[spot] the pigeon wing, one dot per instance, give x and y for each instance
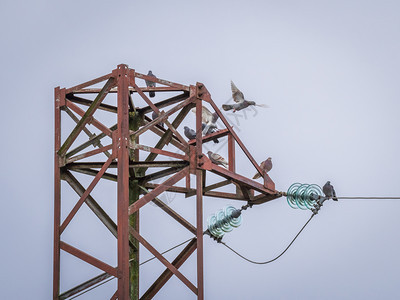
(237, 95)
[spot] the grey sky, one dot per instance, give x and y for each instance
(329, 70)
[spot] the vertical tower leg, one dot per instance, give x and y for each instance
(57, 195)
(123, 182)
(199, 201)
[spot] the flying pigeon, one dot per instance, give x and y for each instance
(210, 130)
(151, 84)
(238, 97)
(265, 166)
(217, 159)
(154, 115)
(329, 191)
(189, 133)
(208, 118)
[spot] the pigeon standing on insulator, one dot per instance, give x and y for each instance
(217, 159)
(189, 133)
(151, 84)
(329, 191)
(238, 97)
(210, 130)
(154, 115)
(208, 118)
(265, 166)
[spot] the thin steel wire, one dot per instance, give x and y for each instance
(269, 261)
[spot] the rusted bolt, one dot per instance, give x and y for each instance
(201, 164)
(200, 156)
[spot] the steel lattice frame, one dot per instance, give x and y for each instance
(122, 154)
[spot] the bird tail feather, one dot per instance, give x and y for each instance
(257, 176)
(262, 105)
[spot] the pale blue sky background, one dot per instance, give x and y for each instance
(329, 70)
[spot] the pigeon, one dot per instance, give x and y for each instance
(154, 115)
(238, 97)
(208, 118)
(151, 84)
(265, 166)
(189, 133)
(329, 191)
(217, 159)
(210, 130)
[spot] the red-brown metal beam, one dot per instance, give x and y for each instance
(131, 90)
(88, 83)
(199, 193)
(85, 194)
(164, 103)
(162, 81)
(157, 191)
(207, 97)
(86, 117)
(87, 284)
(211, 136)
(161, 258)
(88, 258)
(159, 151)
(172, 213)
(162, 117)
(87, 102)
(167, 274)
(123, 181)
(57, 192)
(92, 120)
(89, 153)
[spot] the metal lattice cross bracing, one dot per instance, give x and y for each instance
(113, 153)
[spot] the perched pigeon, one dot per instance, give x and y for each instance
(217, 159)
(210, 130)
(208, 118)
(154, 115)
(265, 166)
(189, 133)
(151, 84)
(238, 97)
(329, 191)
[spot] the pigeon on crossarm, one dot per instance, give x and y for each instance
(238, 97)
(154, 115)
(210, 130)
(208, 118)
(189, 133)
(217, 159)
(329, 191)
(265, 166)
(151, 84)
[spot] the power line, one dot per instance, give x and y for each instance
(364, 197)
(269, 261)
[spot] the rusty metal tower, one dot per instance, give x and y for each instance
(135, 183)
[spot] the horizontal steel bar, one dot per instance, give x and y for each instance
(162, 81)
(131, 90)
(159, 151)
(132, 164)
(212, 136)
(102, 106)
